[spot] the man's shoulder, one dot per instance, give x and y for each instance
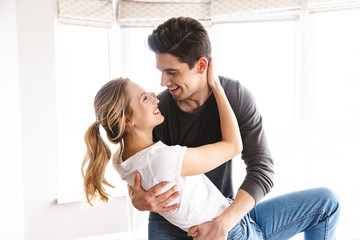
(239, 96)
(234, 90)
(229, 83)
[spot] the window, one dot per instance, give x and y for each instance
(304, 77)
(87, 58)
(139, 61)
(83, 66)
(333, 130)
(312, 118)
(262, 57)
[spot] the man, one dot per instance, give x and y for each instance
(191, 119)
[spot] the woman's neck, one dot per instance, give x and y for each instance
(134, 143)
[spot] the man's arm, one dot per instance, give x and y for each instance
(259, 165)
(148, 201)
(256, 154)
(218, 228)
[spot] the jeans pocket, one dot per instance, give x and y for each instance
(238, 232)
(257, 228)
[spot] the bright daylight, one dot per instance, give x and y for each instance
(249, 110)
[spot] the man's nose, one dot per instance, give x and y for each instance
(164, 80)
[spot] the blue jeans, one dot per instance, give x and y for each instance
(314, 212)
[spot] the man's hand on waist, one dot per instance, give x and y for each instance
(150, 200)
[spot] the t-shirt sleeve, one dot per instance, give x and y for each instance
(166, 162)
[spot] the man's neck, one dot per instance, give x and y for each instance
(196, 100)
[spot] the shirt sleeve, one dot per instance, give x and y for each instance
(256, 154)
(167, 162)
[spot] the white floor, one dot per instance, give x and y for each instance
(131, 236)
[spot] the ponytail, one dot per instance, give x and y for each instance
(111, 107)
(97, 156)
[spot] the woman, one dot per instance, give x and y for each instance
(129, 114)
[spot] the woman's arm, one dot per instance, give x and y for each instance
(205, 158)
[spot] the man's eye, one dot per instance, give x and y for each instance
(171, 73)
(145, 97)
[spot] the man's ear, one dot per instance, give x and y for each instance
(203, 63)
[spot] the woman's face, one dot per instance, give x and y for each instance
(144, 105)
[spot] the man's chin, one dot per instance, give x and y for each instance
(179, 97)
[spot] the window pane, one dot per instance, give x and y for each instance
(82, 68)
(262, 57)
(336, 66)
(334, 131)
(139, 61)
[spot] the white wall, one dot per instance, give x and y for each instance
(28, 143)
(11, 200)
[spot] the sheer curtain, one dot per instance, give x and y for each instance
(303, 73)
(311, 120)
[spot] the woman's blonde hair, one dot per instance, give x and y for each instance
(111, 108)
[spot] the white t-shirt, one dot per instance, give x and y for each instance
(199, 199)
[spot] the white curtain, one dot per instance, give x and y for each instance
(95, 13)
(134, 13)
(315, 6)
(150, 13)
(254, 10)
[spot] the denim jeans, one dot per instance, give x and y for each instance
(314, 212)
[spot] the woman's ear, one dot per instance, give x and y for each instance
(128, 122)
(203, 63)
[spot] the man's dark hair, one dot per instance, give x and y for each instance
(183, 37)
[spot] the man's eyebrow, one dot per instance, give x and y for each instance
(171, 69)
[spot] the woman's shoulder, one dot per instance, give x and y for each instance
(160, 148)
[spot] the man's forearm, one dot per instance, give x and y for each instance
(241, 205)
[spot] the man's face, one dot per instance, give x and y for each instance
(181, 81)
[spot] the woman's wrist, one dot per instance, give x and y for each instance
(216, 87)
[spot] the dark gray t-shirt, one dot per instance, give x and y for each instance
(203, 127)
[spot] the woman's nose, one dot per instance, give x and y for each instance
(155, 100)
